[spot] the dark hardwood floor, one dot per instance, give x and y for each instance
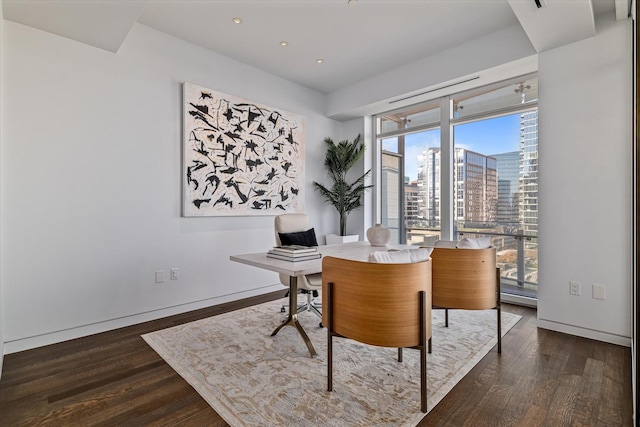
(542, 378)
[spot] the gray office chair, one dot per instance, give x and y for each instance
(310, 284)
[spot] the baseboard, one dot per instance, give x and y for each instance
(121, 322)
(1, 357)
(585, 332)
(519, 300)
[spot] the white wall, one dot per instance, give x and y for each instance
(585, 184)
(91, 184)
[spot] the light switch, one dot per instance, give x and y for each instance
(598, 291)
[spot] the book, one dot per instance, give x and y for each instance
(295, 249)
(292, 254)
(306, 257)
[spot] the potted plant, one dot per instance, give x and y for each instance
(343, 195)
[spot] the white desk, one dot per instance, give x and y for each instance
(358, 251)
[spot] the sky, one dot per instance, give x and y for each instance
(492, 136)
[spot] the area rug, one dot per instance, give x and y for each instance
(253, 379)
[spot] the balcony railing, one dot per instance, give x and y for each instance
(519, 271)
(517, 255)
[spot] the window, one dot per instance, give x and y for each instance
(481, 182)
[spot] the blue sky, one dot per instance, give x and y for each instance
(493, 136)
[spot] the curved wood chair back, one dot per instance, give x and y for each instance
(381, 304)
(465, 278)
(376, 303)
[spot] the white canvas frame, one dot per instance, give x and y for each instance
(240, 157)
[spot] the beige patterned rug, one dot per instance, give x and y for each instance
(253, 379)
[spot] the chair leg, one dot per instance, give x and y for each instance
(498, 308)
(499, 330)
(309, 306)
(399, 354)
(329, 361)
(429, 344)
(329, 337)
(423, 380)
(423, 353)
(446, 317)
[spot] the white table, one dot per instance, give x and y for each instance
(358, 251)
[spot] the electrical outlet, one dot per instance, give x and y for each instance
(159, 276)
(598, 291)
(575, 288)
(174, 274)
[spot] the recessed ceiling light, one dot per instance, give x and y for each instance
(284, 43)
(237, 20)
(319, 60)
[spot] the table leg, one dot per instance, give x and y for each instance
(292, 318)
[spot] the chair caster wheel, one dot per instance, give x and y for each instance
(282, 310)
(320, 325)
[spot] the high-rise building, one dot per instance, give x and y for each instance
(412, 205)
(529, 172)
(429, 187)
(390, 185)
(508, 187)
(475, 187)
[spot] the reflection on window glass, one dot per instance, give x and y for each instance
(410, 118)
(390, 144)
(496, 97)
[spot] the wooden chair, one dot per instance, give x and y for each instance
(466, 279)
(386, 305)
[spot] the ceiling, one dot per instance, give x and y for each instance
(356, 39)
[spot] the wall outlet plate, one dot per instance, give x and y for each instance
(575, 288)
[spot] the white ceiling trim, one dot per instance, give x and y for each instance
(556, 23)
(103, 24)
(623, 9)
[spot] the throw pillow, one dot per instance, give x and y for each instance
(445, 244)
(302, 238)
(400, 257)
(480, 243)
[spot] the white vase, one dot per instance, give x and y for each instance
(378, 235)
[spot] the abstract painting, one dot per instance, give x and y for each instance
(240, 157)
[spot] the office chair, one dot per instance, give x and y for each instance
(310, 284)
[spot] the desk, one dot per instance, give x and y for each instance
(358, 251)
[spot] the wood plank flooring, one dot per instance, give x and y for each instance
(542, 378)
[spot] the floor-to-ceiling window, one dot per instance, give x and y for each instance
(466, 165)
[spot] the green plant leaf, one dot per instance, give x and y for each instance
(344, 196)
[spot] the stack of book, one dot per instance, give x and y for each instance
(294, 253)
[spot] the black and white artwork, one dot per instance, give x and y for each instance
(240, 157)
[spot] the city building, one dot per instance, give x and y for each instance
(508, 166)
(475, 188)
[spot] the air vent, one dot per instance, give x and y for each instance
(433, 90)
(540, 3)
